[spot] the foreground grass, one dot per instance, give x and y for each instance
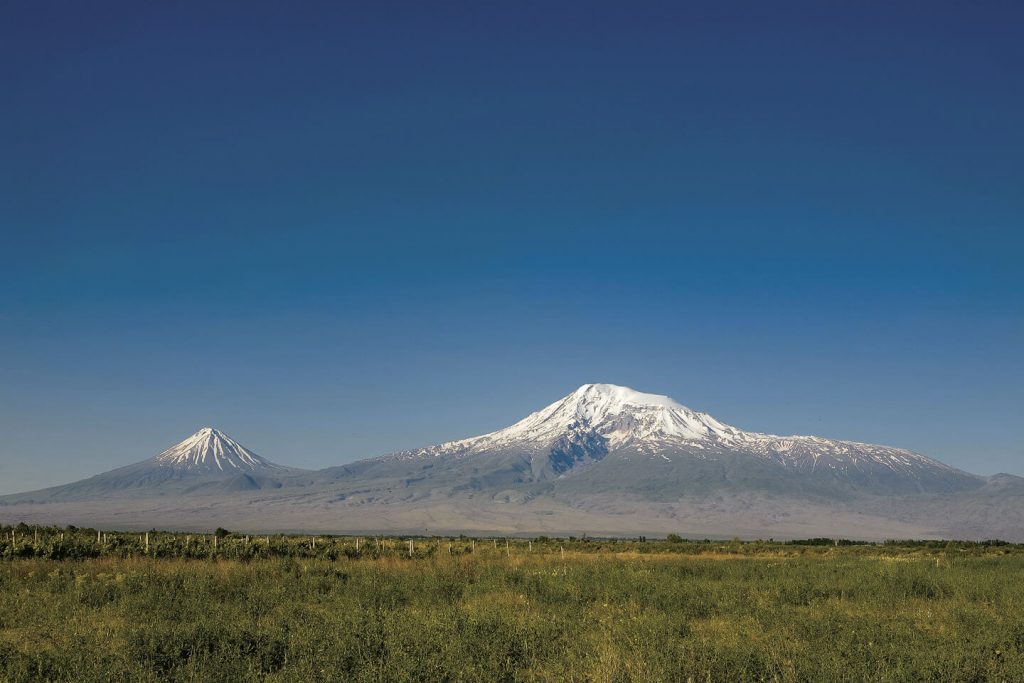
(833, 615)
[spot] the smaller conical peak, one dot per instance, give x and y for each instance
(211, 449)
(211, 433)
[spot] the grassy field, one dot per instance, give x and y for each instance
(286, 609)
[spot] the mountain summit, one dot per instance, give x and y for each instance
(210, 449)
(610, 416)
(618, 414)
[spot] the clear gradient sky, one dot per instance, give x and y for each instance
(334, 230)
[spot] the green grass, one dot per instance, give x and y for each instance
(606, 611)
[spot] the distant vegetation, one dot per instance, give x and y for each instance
(82, 605)
(73, 543)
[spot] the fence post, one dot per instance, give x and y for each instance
(410, 547)
(562, 551)
(507, 553)
(147, 542)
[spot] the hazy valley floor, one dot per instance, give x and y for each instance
(280, 609)
(750, 516)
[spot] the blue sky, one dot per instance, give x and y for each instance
(336, 230)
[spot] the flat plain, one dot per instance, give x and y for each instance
(81, 605)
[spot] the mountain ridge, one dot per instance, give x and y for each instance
(602, 459)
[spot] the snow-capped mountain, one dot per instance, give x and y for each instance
(602, 460)
(206, 462)
(600, 419)
(210, 450)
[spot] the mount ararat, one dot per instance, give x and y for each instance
(603, 460)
